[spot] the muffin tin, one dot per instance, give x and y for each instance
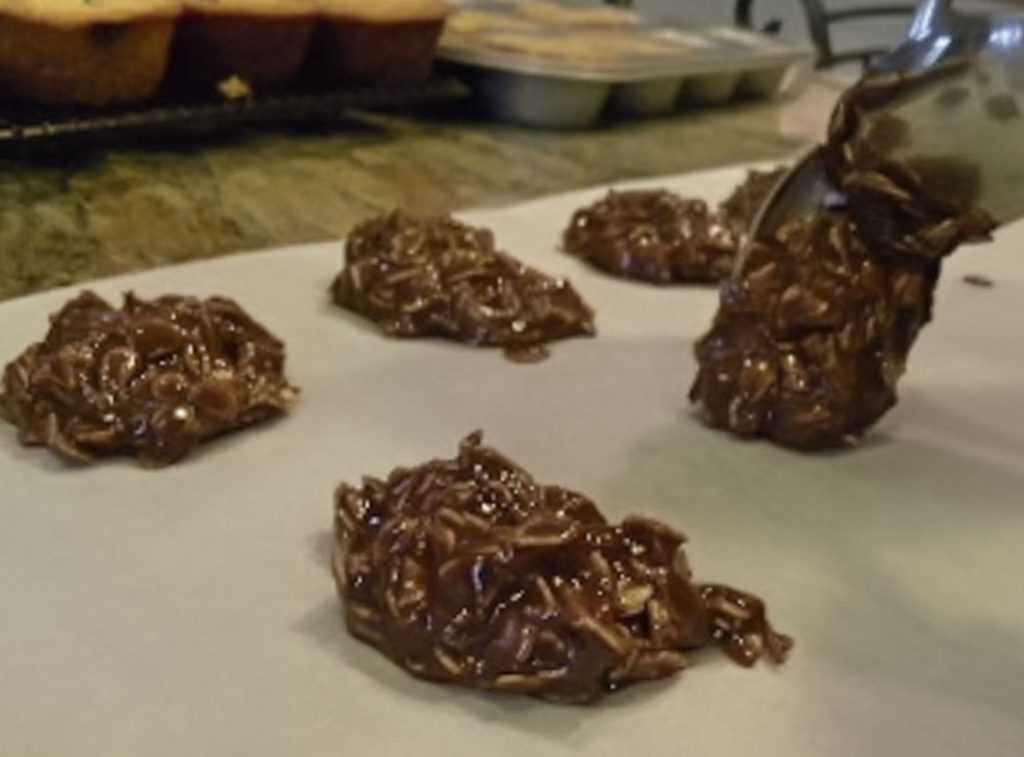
(697, 67)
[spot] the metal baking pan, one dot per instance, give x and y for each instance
(694, 67)
(27, 130)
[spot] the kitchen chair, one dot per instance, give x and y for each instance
(820, 21)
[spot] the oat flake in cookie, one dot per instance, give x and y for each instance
(652, 235)
(810, 341)
(434, 276)
(740, 208)
(807, 347)
(657, 236)
(468, 571)
(152, 379)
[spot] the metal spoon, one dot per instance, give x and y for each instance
(973, 115)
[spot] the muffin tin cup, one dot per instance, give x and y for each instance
(712, 89)
(537, 100)
(559, 102)
(656, 97)
(765, 83)
(713, 67)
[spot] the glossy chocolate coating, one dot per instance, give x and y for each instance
(740, 208)
(660, 237)
(811, 338)
(438, 277)
(469, 571)
(807, 347)
(152, 379)
(654, 236)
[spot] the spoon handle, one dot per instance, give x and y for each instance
(928, 13)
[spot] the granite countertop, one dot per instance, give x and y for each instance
(126, 210)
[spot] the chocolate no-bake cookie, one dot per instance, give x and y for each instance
(152, 379)
(469, 571)
(657, 236)
(740, 208)
(807, 346)
(652, 235)
(436, 276)
(813, 335)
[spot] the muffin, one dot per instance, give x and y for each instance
(384, 42)
(86, 52)
(263, 42)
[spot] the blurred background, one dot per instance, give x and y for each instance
(875, 30)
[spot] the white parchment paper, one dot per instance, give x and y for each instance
(190, 611)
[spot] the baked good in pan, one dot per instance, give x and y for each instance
(383, 42)
(263, 42)
(86, 52)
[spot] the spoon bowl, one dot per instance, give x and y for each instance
(957, 89)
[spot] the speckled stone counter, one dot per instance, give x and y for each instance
(126, 210)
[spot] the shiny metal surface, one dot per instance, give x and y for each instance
(971, 113)
(647, 98)
(711, 89)
(557, 102)
(534, 100)
(712, 66)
